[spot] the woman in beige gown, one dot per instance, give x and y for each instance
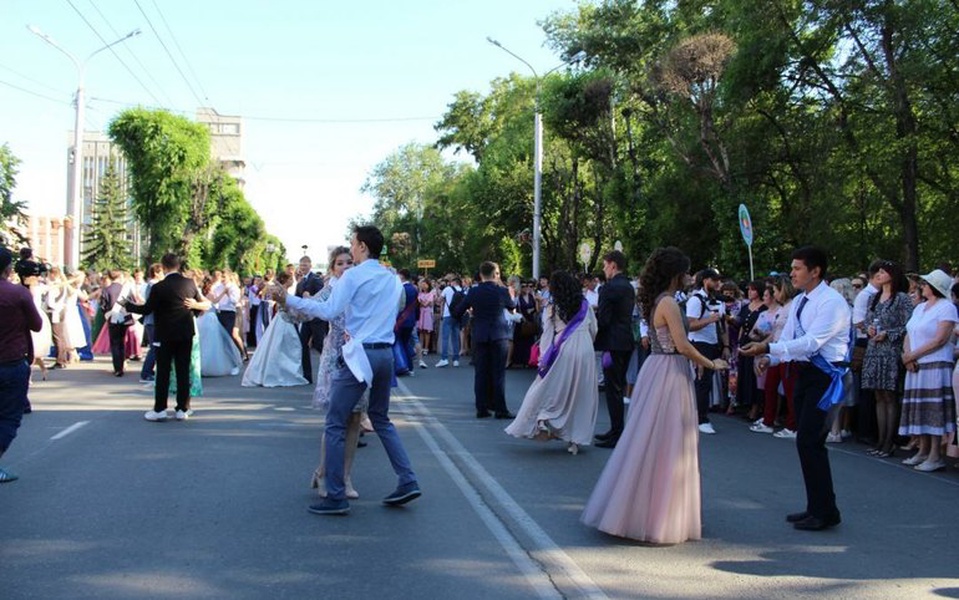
(562, 401)
(650, 487)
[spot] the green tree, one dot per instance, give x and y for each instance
(168, 158)
(107, 240)
(11, 212)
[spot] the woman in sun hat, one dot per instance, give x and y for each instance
(928, 405)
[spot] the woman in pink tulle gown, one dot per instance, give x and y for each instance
(650, 487)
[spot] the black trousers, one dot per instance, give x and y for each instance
(312, 333)
(177, 355)
(117, 333)
(812, 426)
(704, 383)
(251, 334)
(615, 381)
(489, 376)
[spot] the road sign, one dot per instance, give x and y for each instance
(745, 225)
(585, 253)
(746, 228)
(426, 264)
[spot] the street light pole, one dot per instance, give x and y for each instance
(537, 150)
(74, 200)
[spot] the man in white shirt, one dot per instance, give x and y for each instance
(817, 329)
(369, 294)
(705, 314)
(450, 343)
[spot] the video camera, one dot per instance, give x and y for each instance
(27, 266)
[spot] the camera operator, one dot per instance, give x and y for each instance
(20, 317)
(30, 273)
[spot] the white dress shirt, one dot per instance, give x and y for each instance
(230, 298)
(823, 328)
(369, 294)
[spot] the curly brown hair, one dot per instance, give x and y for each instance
(567, 294)
(661, 269)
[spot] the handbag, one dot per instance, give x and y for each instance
(534, 356)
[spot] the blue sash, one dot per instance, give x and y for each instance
(547, 360)
(836, 392)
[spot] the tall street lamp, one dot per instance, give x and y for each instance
(74, 200)
(537, 149)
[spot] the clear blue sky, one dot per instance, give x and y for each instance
(379, 72)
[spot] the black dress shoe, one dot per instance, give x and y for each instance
(505, 415)
(813, 523)
(797, 517)
(602, 437)
(607, 443)
(483, 414)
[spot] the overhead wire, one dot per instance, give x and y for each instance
(30, 79)
(168, 53)
(32, 93)
(130, 50)
(343, 121)
(182, 53)
(112, 51)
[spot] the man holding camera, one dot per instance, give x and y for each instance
(20, 317)
(706, 314)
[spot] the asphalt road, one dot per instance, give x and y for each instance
(111, 506)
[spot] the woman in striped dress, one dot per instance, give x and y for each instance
(928, 406)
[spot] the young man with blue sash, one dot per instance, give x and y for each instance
(816, 340)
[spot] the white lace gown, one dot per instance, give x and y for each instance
(219, 356)
(43, 339)
(277, 361)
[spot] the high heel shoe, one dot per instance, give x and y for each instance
(351, 493)
(318, 483)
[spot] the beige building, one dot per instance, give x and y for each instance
(226, 141)
(45, 236)
(98, 153)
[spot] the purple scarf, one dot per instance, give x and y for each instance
(547, 360)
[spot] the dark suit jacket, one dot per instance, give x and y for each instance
(614, 315)
(312, 283)
(313, 331)
(172, 321)
(488, 300)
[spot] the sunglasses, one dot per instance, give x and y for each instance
(857, 286)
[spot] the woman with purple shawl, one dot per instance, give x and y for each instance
(562, 401)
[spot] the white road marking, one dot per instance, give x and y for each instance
(69, 430)
(536, 563)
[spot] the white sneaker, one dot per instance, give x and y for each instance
(183, 416)
(833, 438)
(758, 421)
(785, 434)
(155, 416)
(706, 428)
(422, 364)
(442, 363)
(456, 363)
(760, 428)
